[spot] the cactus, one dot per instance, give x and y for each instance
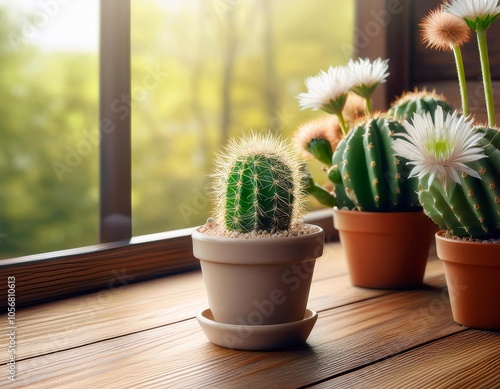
(471, 209)
(364, 173)
(374, 179)
(417, 102)
(258, 185)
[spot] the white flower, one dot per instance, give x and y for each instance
(478, 14)
(441, 147)
(327, 90)
(367, 75)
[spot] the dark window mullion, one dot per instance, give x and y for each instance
(115, 122)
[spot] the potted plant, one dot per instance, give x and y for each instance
(458, 169)
(376, 210)
(257, 256)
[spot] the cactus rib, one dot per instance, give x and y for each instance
(259, 186)
(472, 207)
(372, 176)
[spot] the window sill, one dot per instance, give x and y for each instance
(145, 334)
(68, 273)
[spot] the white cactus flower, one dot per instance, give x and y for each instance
(327, 90)
(367, 75)
(440, 147)
(478, 14)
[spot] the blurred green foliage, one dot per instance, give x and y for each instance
(202, 70)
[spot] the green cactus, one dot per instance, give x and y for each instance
(471, 209)
(258, 185)
(417, 102)
(364, 173)
(374, 179)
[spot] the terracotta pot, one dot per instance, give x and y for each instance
(385, 250)
(258, 281)
(472, 271)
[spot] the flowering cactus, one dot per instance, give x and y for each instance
(458, 165)
(258, 185)
(458, 168)
(359, 160)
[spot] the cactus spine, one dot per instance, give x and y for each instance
(374, 179)
(471, 209)
(258, 185)
(417, 102)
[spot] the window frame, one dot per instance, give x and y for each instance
(122, 259)
(115, 201)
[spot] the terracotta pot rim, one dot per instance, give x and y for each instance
(466, 252)
(381, 214)
(258, 251)
(380, 222)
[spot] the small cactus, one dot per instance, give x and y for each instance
(471, 209)
(258, 185)
(417, 102)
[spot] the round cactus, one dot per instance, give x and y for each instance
(374, 179)
(417, 102)
(258, 185)
(471, 209)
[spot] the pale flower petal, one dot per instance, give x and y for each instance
(325, 88)
(367, 75)
(478, 14)
(440, 147)
(472, 9)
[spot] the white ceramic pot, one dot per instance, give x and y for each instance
(258, 281)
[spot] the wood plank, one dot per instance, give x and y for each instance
(124, 309)
(68, 273)
(179, 355)
(470, 359)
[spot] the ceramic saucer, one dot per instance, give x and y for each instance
(256, 337)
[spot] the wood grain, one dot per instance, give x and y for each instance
(178, 355)
(470, 359)
(121, 309)
(71, 272)
(145, 334)
(117, 311)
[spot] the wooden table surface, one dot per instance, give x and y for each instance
(145, 335)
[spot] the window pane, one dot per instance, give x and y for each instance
(48, 125)
(204, 70)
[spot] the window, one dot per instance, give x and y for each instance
(201, 71)
(48, 125)
(205, 70)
